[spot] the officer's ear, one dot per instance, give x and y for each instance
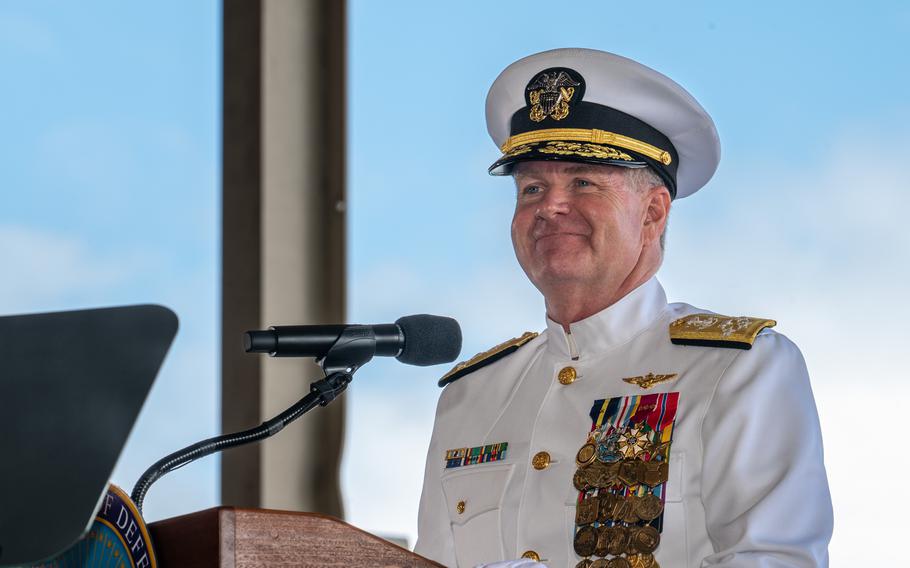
(656, 213)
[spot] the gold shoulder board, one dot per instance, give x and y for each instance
(485, 358)
(717, 331)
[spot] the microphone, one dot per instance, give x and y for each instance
(340, 349)
(421, 339)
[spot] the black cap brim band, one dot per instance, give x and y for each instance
(591, 133)
(585, 152)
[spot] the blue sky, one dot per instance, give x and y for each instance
(802, 223)
(110, 172)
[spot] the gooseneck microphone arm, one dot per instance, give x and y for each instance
(321, 393)
(340, 351)
(352, 349)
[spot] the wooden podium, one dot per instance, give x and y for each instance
(228, 537)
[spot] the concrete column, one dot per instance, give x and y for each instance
(293, 261)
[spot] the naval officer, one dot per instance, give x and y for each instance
(631, 432)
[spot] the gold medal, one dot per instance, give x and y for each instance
(634, 440)
(586, 511)
(579, 480)
(623, 509)
(591, 473)
(606, 506)
(603, 537)
(631, 472)
(654, 473)
(599, 563)
(643, 561)
(648, 507)
(608, 447)
(585, 563)
(618, 542)
(585, 541)
(659, 449)
(664, 471)
(630, 516)
(619, 509)
(651, 474)
(645, 539)
(613, 473)
(604, 475)
(618, 562)
(586, 454)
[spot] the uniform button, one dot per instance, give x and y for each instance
(567, 375)
(531, 555)
(541, 460)
(460, 507)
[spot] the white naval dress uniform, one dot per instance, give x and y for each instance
(746, 485)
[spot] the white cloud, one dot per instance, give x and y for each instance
(385, 449)
(43, 270)
(823, 250)
(861, 426)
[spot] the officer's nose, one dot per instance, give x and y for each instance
(556, 201)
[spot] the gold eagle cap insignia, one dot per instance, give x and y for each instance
(649, 380)
(550, 94)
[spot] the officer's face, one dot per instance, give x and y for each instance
(577, 224)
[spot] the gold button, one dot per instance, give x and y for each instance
(567, 375)
(460, 507)
(531, 555)
(541, 460)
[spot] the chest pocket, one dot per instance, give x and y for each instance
(674, 541)
(473, 498)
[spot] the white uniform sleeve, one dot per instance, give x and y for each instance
(764, 485)
(434, 531)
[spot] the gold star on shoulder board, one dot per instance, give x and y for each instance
(649, 380)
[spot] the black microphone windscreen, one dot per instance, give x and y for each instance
(429, 340)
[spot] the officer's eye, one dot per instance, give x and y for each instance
(582, 183)
(530, 190)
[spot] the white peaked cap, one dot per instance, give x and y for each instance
(601, 108)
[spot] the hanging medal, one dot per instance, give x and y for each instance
(621, 480)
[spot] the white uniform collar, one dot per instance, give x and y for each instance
(610, 327)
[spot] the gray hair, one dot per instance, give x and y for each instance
(643, 179)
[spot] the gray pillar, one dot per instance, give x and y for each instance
(283, 238)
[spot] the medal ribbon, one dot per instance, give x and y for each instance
(657, 410)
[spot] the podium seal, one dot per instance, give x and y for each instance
(117, 538)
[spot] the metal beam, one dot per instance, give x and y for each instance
(283, 238)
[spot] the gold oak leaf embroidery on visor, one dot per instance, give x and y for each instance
(584, 150)
(519, 150)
